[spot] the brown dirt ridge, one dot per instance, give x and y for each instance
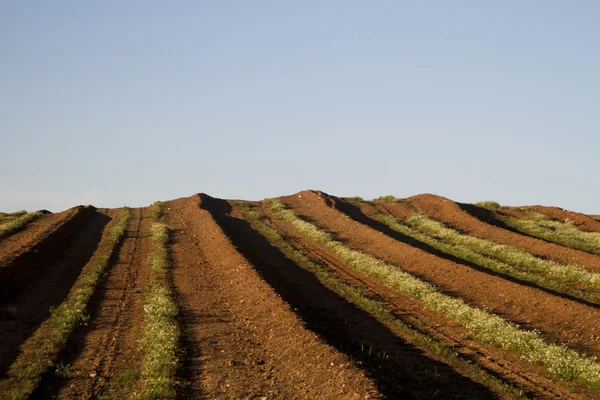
(560, 319)
(585, 222)
(256, 322)
(482, 223)
(41, 278)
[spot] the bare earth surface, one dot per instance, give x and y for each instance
(243, 340)
(258, 325)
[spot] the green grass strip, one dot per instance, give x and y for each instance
(375, 308)
(390, 198)
(18, 223)
(488, 204)
(160, 336)
(496, 257)
(5, 217)
(156, 210)
(559, 360)
(565, 234)
(42, 349)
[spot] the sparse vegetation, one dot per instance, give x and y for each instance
(375, 308)
(496, 257)
(390, 198)
(160, 336)
(43, 347)
(62, 370)
(563, 233)
(357, 198)
(559, 360)
(12, 214)
(19, 221)
(5, 217)
(488, 204)
(156, 210)
(129, 376)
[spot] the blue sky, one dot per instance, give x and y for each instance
(123, 103)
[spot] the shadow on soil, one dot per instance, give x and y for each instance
(190, 349)
(490, 217)
(356, 214)
(42, 278)
(33, 264)
(51, 382)
(485, 215)
(400, 369)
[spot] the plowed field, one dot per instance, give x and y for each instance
(307, 296)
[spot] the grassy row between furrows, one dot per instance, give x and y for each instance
(156, 210)
(13, 225)
(563, 233)
(6, 217)
(41, 350)
(159, 340)
(559, 360)
(376, 308)
(497, 257)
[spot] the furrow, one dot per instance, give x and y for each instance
(26, 257)
(242, 339)
(438, 336)
(58, 263)
(527, 306)
(482, 223)
(102, 358)
(39, 354)
(514, 264)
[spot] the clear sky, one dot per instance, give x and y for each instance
(127, 102)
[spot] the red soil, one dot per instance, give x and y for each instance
(35, 232)
(558, 319)
(498, 362)
(101, 353)
(41, 278)
(585, 222)
(256, 325)
(20, 259)
(243, 340)
(479, 222)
